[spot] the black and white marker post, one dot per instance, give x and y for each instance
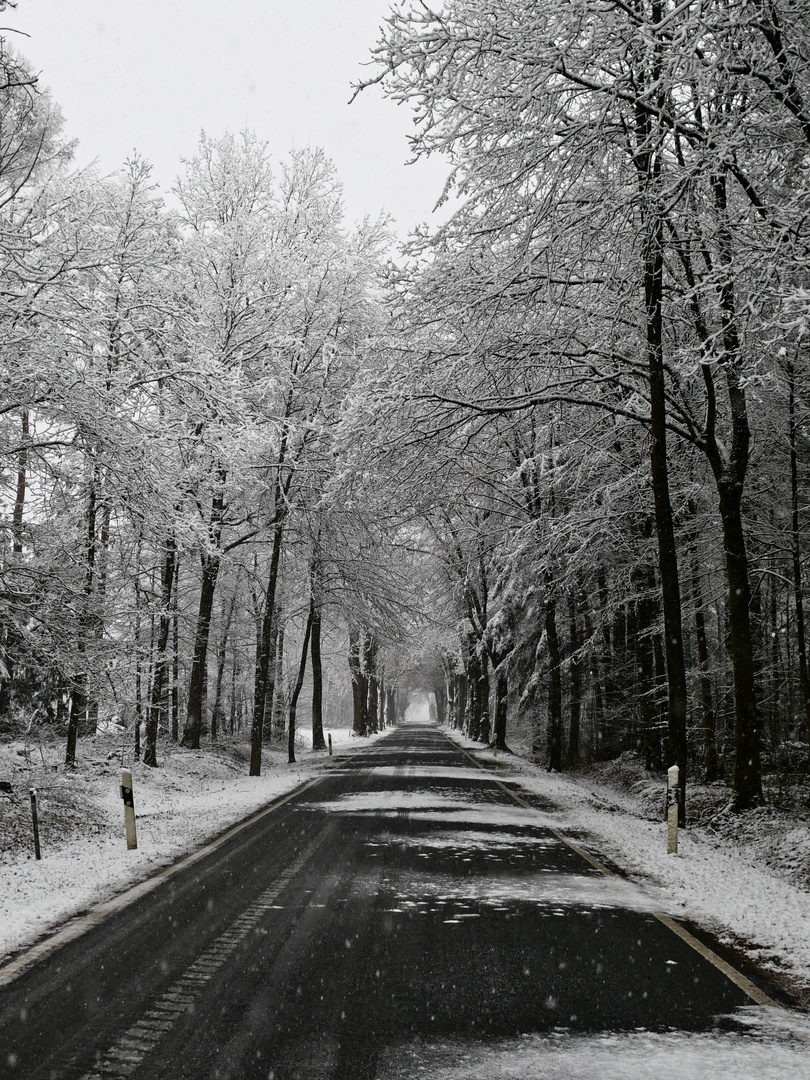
(673, 801)
(35, 821)
(129, 808)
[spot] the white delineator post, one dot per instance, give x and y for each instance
(129, 808)
(673, 801)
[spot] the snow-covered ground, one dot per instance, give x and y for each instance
(775, 1047)
(743, 878)
(192, 797)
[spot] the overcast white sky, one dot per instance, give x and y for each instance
(149, 74)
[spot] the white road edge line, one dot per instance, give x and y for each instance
(758, 996)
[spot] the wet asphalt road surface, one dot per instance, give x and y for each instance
(402, 901)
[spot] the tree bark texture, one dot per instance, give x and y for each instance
(160, 678)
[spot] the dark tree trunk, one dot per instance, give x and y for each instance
(97, 614)
(707, 704)
(575, 680)
(218, 713)
(472, 723)
(665, 527)
(604, 701)
(450, 692)
(648, 162)
(210, 560)
(299, 682)
(483, 697)
(501, 707)
(176, 656)
(139, 654)
(555, 733)
(78, 710)
(359, 685)
(747, 789)
(11, 636)
(360, 693)
(461, 700)
(78, 700)
(440, 695)
(275, 717)
(199, 663)
(370, 650)
(264, 657)
(318, 741)
(795, 548)
(161, 670)
(645, 664)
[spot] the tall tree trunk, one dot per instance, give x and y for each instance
(604, 701)
(97, 616)
(575, 680)
(730, 475)
(275, 717)
(265, 652)
(370, 650)
(138, 653)
(161, 665)
(218, 713)
(78, 699)
(707, 704)
(472, 722)
(199, 663)
(359, 687)
(795, 550)
(210, 561)
(747, 789)
(318, 741)
(10, 636)
(176, 655)
(645, 664)
(555, 733)
(440, 696)
(665, 527)
(648, 162)
(299, 682)
(461, 699)
(483, 696)
(501, 706)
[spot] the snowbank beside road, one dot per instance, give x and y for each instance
(193, 797)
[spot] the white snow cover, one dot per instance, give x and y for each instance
(775, 1046)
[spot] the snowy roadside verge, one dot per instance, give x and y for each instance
(194, 797)
(714, 882)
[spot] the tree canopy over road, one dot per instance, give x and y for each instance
(547, 462)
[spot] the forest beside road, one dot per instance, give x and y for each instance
(547, 461)
(406, 912)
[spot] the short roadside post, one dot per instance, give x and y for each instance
(330, 743)
(35, 820)
(673, 801)
(129, 808)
